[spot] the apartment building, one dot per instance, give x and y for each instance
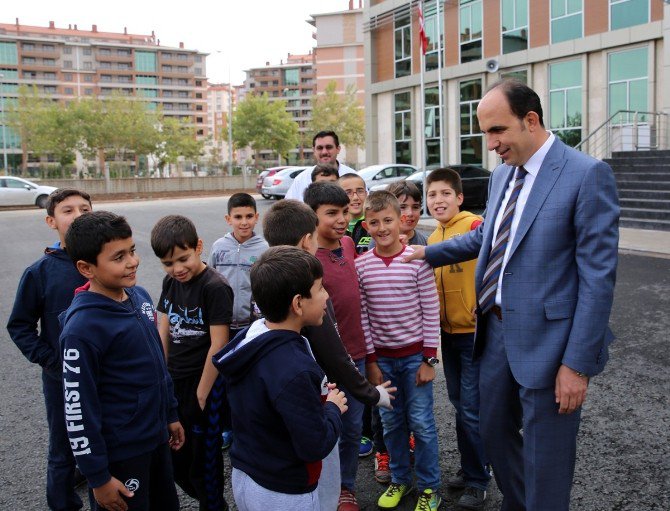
(66, 63)
(339, 58)
(587, 60)
(221, 102)
(293, 81)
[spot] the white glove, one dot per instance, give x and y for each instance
(384, 398)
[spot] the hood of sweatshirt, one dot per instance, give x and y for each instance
(461, 215)
(250, 345)
(229, 241)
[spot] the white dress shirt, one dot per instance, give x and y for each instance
(532, 166)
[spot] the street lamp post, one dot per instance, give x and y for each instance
(4, 138)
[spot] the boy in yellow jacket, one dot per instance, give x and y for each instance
(456, 290)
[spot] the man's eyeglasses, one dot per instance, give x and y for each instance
(358, 191)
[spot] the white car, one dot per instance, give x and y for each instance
(385, 174)
(15, 191)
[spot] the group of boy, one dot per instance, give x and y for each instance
(382, 321)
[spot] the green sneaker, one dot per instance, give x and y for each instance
(393, 495)
(428, 501)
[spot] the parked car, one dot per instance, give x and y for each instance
(475, 184)
(266, 173)
(277, 185)
(385, 174)
(15, 191)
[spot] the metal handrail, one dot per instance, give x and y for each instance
(602, 139)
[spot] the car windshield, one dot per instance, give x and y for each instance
(418, 176)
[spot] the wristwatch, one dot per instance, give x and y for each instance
(431, 361)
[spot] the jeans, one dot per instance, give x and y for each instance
(462, 375)
(413, 409)
(61, 495)
(350, 438)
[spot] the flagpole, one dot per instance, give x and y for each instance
(438, 17)
(422, 112)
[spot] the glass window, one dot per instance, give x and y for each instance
(626, 13)
(145, 61)
(566, 20)
(471, 30)
(628, 83)
(519, 74)
(9, 75)
(87, 51)
(291, 76)
(67, 50)
(151, 80)
(403, 128)
(472, 140)
(403, 45)
(565, 101)
(514, 25)
(430, 25)
(432, 127)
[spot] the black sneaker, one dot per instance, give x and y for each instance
(456, 482)
(472, 498)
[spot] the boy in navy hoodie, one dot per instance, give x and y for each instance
(120, 410)
(46, 289)
(195, 307)
(282, 427)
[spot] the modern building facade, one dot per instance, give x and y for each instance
(67, 63)
(293, 81)
(589, 60)
(339, 58)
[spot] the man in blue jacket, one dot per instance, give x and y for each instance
(120, 410)
(545, 282)
(45, 290)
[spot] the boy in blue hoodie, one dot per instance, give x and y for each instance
(286, 417)
(120, 410)
(45, 290)
(195, 307)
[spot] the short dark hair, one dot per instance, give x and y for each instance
(521, 98)
(404, 187)
(280, 274)
(318, 194)
(381, 199)
(88, 234)
(287, 222)
(324, 169)
(351, 175)
(241, 200)
(60, 194)
(173, 231)
(322, 134)
(449, 176)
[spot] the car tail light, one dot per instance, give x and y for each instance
(276, 182)
(271, 173)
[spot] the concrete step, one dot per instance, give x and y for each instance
(629, 193)
(660, 205)
(646, 213)
(641, 223)
(626, 184)
(650, 161)
(619, 167)
(642, 176)
(665, 153)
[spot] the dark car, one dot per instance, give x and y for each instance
(475, 184)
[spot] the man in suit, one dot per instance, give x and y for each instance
(545, 282)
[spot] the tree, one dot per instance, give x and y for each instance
(340, 113)
(264, 124)
(177, 139)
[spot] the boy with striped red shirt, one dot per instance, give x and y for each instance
(400, 316)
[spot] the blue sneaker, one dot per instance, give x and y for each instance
(227, 437)
(365, 447)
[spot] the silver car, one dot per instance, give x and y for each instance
(385, 174)
(277, 185)
(15, 191)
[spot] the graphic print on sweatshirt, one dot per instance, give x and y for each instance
(185, 324)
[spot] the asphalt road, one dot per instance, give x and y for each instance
(624, 442)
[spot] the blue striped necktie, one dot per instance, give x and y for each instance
(493, 268)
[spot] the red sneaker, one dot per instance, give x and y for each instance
(347, 501)
(382, 469)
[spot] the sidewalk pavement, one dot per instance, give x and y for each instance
(651, 243)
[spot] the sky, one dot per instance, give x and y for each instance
(237, 34)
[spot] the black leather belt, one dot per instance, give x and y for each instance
(497, 311)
